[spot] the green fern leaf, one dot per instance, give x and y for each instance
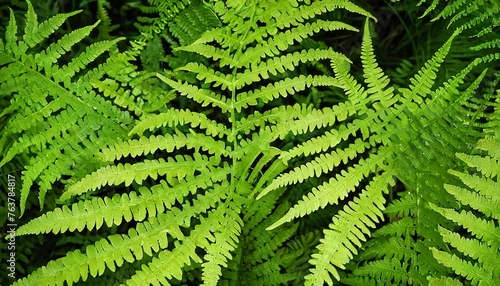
(280, 42)
(485, 200)
(192, 175)
(464, 268)
(148, 237)
(174, 117)
(338, 246)
(286, 62)
(136, 205)
(488, 166)
(320, 165)
(201, 96)
(479, 259)
(149, 145)
(283, 88)
(330, 192)
(218, 252)
(81, 117)
(180, 167)
(169, 264)
(373, 74)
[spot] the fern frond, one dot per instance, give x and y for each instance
(390, 270)
(263, 253)
(106, 253)
(373, 74)
(286, 62)
(153, 26)
(276, 115)
(488, 166)
(355, 92)
(485, 15)
(417, 124)
(484, 252)
(83, 59)
(50, 56)
(192, 22)
(476, 16)
(281, 41)
(123, 98)
(174, 117)
(209, 75)
(464, 268)
(485, 200)
(451, 9)
(62, 114)
(283, 88)
(482, 229)
(324, 164)
(11, 34)
(338, 246)
(191, 171)
(202, 96)
(480, 251)
(147, 202)
(490, 143)
(292, 17)
(147, 238)
(180, 167)
(34, 33)
(392, 248)
(149, 145)
(422, 82)
(329, 140)
(210, 52)
(103, 16)
(316, 119)
(169, 264)
(223, 243)
(444, 281)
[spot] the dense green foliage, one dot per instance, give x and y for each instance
(251, 142)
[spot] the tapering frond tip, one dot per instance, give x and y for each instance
(35, 32)
(353, 8)
(279, 222)
(266, 191)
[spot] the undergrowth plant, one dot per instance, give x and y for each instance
(228, 144)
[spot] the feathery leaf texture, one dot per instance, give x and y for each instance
(60, 120)
(478, 257)
(214, 171)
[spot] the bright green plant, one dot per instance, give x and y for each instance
(220, 168)
(477, 258)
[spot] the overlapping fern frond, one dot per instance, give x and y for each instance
(60, 114)
(205, 169)
(412, 128)
(474, 12)
(203, 177)
(424, 140)
(480, 17)
(476, 239)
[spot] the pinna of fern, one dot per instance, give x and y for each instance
(200, 175)
(427, 138)
(443, 122)
(396, 131)
(60, 115)
(476, 257)
(480, 18)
